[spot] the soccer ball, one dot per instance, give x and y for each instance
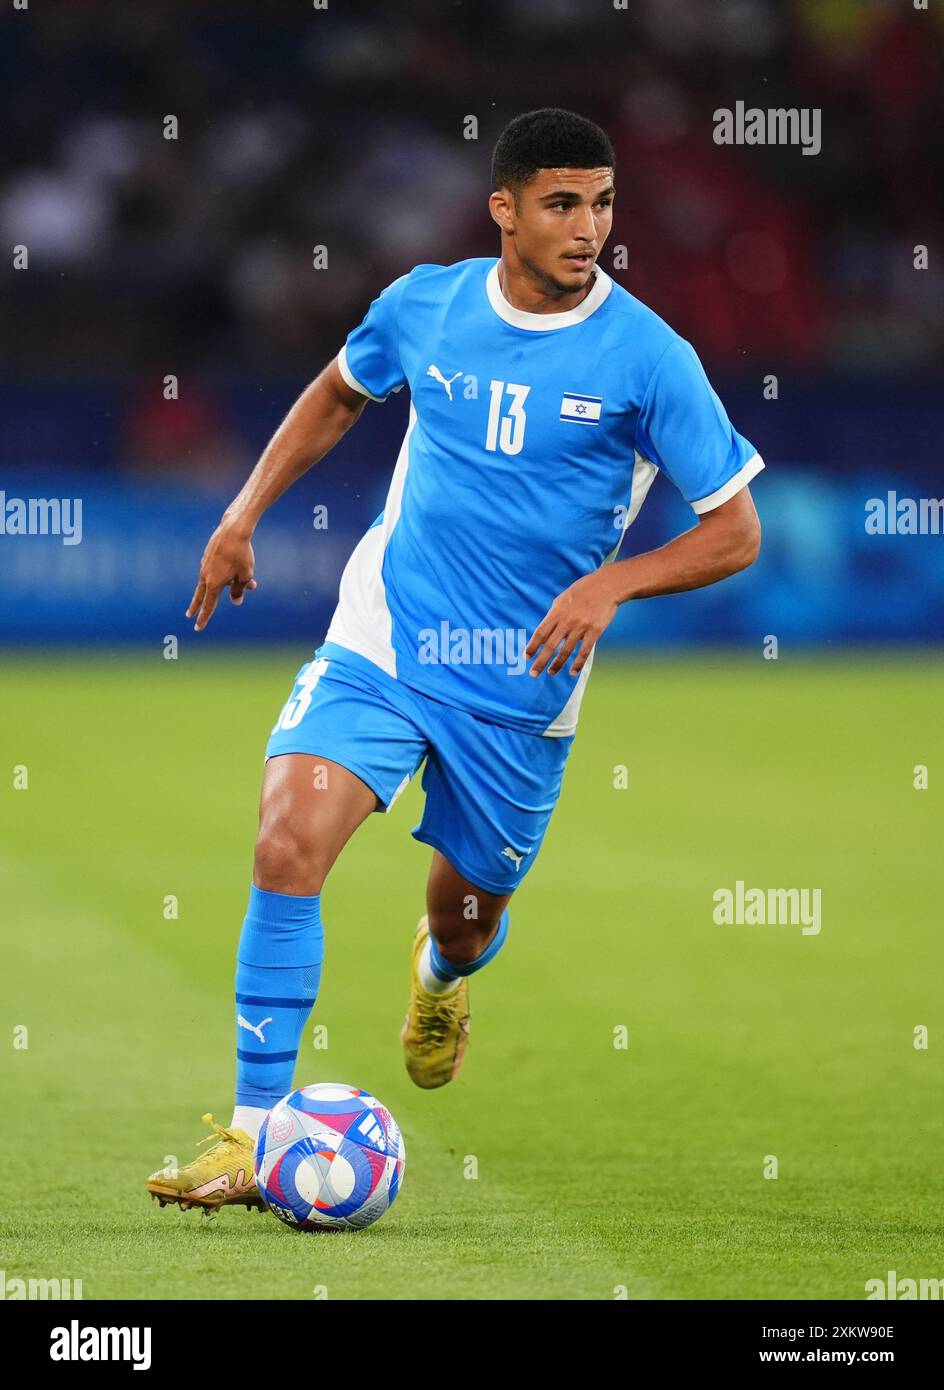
(329, 1157)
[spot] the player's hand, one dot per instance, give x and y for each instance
(228, 563)
(575, 619)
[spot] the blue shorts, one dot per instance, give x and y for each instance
(489, 790)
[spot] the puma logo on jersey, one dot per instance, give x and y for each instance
(253, 1027)
(509, 853)
(433, 371)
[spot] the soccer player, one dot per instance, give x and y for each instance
(544, 401)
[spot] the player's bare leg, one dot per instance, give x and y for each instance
(462, 918)
(308, 811)
(463, 927)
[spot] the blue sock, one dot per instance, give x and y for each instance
(447, 970)
(278, 970)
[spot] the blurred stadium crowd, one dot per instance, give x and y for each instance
(343, 127)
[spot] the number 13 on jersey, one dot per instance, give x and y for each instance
(506, 427)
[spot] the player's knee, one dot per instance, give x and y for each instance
(289, 858)
(462, 941)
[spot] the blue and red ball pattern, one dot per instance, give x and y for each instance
(329, 1157)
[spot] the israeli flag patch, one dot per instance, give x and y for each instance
(583, 410)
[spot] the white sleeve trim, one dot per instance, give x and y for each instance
(352, 380)
(724, 493)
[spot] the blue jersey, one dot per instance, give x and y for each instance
(532, 442)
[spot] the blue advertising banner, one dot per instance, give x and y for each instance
(853, 546)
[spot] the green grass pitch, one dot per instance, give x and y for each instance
(599, 1168)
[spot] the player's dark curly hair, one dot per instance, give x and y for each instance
(546, 139)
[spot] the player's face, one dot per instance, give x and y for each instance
(561, 222)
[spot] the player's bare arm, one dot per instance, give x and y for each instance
(725, 540)
(322, 414)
